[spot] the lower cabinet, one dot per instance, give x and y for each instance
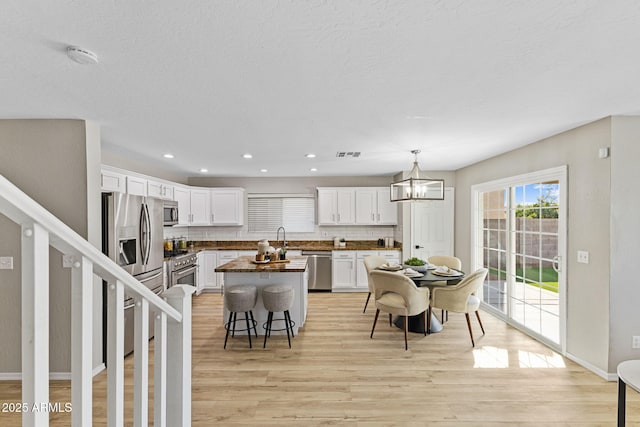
(207, 263)
(343, 270)
(348, 270)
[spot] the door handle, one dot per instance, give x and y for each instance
(419, 247)
(556, 264)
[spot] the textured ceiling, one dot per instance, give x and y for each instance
(210, 80)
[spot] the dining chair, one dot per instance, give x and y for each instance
(371, 262)
(447, 261)
(396, 294)
(461, 298)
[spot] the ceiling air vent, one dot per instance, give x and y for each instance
(353, 154)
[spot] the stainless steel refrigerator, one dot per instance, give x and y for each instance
(132, 236)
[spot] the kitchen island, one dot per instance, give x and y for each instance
(243, 271)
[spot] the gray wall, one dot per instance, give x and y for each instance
(625, 232)
(48, 160)
(588, 226)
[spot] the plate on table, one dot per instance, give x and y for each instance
(388, 267)
(266, 261)
(413, 274)
(450, 273)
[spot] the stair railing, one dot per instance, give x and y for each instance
(172, 328)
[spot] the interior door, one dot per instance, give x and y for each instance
(432, 226)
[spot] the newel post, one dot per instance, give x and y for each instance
(179, 357)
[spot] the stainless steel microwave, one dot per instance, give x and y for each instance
(170, 213)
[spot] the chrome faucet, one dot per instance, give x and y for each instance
(284, 237)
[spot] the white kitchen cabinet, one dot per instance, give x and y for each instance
(136, 186)
(208, 279)
(193, 205)
(343, 270)
(113, 181)
(200, 206)
(182, 195)
(227, 206)
(374, 207)
(362, 279)
(336, 206)
(361, 272)
(160, 190)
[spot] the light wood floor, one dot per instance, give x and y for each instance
(336, 375)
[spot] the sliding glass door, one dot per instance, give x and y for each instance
(520, 238)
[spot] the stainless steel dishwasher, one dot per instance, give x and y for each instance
(319, 270)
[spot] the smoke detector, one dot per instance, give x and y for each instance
(82, 56)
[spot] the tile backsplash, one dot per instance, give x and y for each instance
(321, 233)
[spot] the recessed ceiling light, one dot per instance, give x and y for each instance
(247, 156)
(168, 156)
(203, 170)
(313, 170)
(263, 170)
(310, 156)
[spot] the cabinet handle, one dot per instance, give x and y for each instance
(373, 216)
(378, 217)
(338, 217)
(211, 218)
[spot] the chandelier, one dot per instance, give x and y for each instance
(417, 188)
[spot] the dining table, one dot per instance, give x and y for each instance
(430, 280)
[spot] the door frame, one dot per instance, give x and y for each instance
(557, 173)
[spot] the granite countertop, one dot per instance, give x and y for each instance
(305, 245)
(244, 264)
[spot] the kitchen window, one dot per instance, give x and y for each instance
(267, 212)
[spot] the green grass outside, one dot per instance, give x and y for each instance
(548, 279)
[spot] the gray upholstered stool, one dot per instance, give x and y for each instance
(277, 298)
(237, 299)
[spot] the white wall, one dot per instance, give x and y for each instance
(588, 226)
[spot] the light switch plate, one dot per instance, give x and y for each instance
(6, 263)
(583, 257)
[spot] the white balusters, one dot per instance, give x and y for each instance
(160, 371)
(35, 323)
(115, 355)
(141, 364)
(82, 342)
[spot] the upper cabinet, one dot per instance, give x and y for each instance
(374, 206)
(159, 189)
(194, 205)
(356, 206)
(336, 206)
(136, 186)
(113, 181)
(227, 206)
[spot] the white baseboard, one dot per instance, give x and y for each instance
(53, 376)
(599, 372)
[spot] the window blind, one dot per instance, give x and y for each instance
(295, 214)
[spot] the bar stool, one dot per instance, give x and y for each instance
(240, 298)
(277, 298)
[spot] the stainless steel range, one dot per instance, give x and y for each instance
(183, 270)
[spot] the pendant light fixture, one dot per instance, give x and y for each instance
(417, 188)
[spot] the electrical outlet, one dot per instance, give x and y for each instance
(583, 257)
(6, 263)
(635, 342)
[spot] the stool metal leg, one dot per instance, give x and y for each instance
(290, 323)
(267, 328)
(253, 321)
(226, 337)
(233, 331)
(622, 401)
(246, 318)
(287, 325)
